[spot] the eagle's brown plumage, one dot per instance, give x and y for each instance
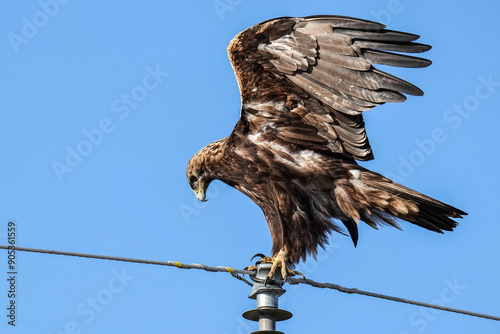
(304, 83)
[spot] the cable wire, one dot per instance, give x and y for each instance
(337, 287)
(236, 274)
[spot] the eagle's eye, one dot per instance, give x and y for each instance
(192, 180)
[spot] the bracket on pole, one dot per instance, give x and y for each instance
(267, 311)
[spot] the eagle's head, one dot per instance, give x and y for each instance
(198, 176)
(200, 169)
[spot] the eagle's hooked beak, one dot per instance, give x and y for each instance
(201, 192)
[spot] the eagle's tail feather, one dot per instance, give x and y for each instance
(376, 200)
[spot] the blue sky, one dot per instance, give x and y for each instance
(103, 104)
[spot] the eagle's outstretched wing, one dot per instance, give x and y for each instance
(322, 66)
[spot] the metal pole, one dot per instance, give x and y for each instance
(267, 311)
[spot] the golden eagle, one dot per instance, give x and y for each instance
(304, 83)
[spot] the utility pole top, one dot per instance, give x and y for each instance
(267, 311)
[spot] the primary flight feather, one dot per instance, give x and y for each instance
(304, 84)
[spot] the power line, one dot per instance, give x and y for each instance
(381, 296)
(236, 273)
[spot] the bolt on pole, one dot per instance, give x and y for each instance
(267, 312)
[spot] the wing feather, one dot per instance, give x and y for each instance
(398, 47)
(393, 59)
(381, 35)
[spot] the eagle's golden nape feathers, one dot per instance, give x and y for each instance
(304, 85)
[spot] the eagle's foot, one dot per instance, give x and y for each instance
(280, 261)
